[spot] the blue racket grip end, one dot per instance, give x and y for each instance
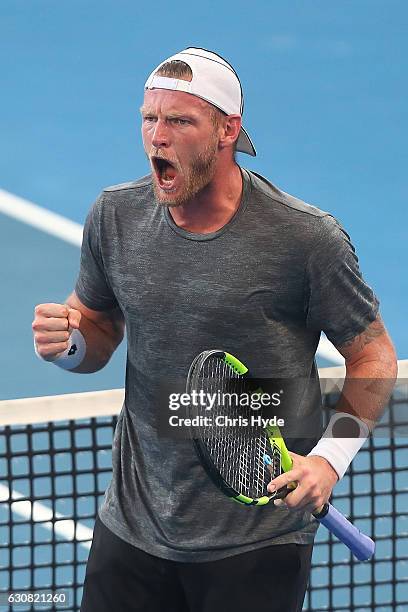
(360, 544)
(267, 460)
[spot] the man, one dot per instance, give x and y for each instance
(204, 254)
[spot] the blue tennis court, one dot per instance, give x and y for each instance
(324, 100)
(325, 103)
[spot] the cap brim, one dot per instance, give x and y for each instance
(244, 143)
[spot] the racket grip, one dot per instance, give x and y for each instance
(360, 544)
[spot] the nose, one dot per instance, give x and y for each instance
(160, 135)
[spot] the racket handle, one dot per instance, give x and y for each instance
(360, 544)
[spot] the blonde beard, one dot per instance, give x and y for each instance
(199, 174)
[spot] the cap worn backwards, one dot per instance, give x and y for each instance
(214, 80)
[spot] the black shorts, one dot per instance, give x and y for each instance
(122, 578)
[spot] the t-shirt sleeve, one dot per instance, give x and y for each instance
(92, 286)
(338, 300)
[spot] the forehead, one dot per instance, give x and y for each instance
(165, 100)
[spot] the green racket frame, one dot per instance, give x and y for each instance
(273, 433)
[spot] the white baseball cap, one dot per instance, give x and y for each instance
(214, 80)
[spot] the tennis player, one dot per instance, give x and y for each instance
(202, 253)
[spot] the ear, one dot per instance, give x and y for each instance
(230, 129)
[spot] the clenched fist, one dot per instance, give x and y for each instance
(52, 327)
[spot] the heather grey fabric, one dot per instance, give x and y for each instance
(263, 287)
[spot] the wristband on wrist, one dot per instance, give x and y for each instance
(73, 355)
(340, 443)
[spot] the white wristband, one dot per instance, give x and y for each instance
(340, 451)
(73, 355)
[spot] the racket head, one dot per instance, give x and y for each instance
(233, 457)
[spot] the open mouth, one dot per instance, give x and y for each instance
(166, 173)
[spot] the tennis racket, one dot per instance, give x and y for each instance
(242, 460)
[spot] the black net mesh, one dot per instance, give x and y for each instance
(374, 495)
(65, 467)
(53, 477)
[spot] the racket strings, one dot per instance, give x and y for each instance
(237, 451)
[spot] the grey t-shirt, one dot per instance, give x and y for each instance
(262, 287)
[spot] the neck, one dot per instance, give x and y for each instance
(214, 205)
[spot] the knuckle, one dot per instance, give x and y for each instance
(51, 351)
(41, 350)
(317, 490)
(46, 350)
(318, 502)
(38, 325)
(314, 491)
(306, 471)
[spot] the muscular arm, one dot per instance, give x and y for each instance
(103, 332)
(371, 369)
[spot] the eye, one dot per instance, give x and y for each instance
(179, 121)
(149, 118)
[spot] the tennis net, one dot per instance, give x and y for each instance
(55, 464)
